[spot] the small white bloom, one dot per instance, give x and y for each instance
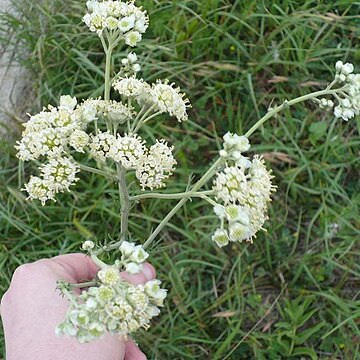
(127, 248)
(139, 255)
(239, 232)
(67, 102)
(132, 38)
(132, 57)
(109, 275)
(220, 237)
(88, 245)
(235, 213)
(126, 23)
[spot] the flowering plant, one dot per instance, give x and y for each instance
(110, 132)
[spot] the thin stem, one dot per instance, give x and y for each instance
(124, 201)
(207, 176)
(287, 104)
(98, 172)
(83, 285)
(108, 54)
(148, 111)
(187, 194)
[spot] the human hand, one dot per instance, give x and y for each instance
(33, 307)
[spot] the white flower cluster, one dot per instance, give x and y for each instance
(168, 98)
(349, 102)
(126, 18)
(245, 193)
(115, 306)
(156, 166)
(132, 87)
(132, 257)
(48, 135)
(56, 177)
(162, 96)
(153, 165)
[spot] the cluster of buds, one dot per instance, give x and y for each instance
(130, 66)
(348, 100)
(124, 18)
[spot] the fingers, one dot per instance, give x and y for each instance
(79, 265)
(148, 273)
(132, 352)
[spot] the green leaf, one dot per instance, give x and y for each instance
(306, 334)
(305, 351)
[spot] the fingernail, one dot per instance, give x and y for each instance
(148, 271)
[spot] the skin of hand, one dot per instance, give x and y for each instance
(33, 307)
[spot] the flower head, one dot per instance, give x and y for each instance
(245, 193)
(168, 98)
(117, 16)
(156, 166)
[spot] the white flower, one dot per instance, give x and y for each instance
(136, 68)
(109, 275)
(101, 144)
(79, 139)
(235, 142)
(127, 150)
(67, 102)
(169, 99)
(221, 237)
(139, 255)
(156, 166)
(88, 245)
(127, 248)
(132, 57)
(239, 232)
(126, 23)
(132, 38)
(112, 23)
(236, 213)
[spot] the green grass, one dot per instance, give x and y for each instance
(294, 293)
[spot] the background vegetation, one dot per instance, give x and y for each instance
(294, 294)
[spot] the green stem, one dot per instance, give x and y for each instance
(124, 201)
(98, 172)
(108, 54)
(83, 285)
(207, 176)
(188, 194)
(287, 104)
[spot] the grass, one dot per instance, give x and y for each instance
(294, 294)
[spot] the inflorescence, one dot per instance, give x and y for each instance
(243, 190)
(113, 305)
